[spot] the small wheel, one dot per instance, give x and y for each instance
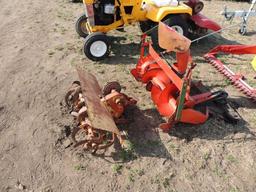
(243, 30)
(110, 86)
(176, 22)
(96, 46)
(198, 7)
(81, 26)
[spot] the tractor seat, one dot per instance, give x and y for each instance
(165, 3)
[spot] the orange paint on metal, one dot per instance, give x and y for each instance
(165, 83)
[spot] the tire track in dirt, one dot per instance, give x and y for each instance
(28, 96)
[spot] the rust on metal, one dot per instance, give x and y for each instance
(170, 40)
(98, 114)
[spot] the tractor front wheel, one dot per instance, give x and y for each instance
(96, 46)
(177, 22)
(81, 26)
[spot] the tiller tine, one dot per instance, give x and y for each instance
(236, 80)
(96, 112)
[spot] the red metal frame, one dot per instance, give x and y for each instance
(165, 84)
(201, 20)
(236, 79)
(204, 22)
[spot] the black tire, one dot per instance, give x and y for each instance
(243, 30)
(80, 26)
(145, 26)
(92, 38)
(76, 1)
(172, 20)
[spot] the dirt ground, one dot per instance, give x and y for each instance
(38, 52)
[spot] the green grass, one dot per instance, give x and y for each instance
(206, 156)
(234, 189)
(139, 172)
(131, 177)
(172, 146)
(117, 168)
(154, 143)
(166, 183)
(79, 167)
(51, 53)
(135, 173)
(218, 171)
(59, 48)
(127, 155)
(227, 82)
(231, 159)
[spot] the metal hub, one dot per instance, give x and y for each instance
(98, 48)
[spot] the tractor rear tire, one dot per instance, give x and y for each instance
(145, 26)
(80, 26)
(96, 46)
(177, 22)
(76, 1)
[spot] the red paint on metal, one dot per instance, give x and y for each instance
(236, 79)
(204, 22)
(165, 83)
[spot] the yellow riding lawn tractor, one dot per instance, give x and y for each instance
(102, 16)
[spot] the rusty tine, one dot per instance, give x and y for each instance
(90, 133)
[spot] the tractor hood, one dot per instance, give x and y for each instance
(156, 14)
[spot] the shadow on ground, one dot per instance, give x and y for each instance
(147, 143)
(122, 52)
(143, 133)
(203, 46)
(128, 52)
(213, 129)
(217, 127)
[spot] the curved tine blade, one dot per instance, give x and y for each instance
(98, 114)
(82, 142)
(74, 132)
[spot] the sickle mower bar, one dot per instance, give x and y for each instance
(170, 86)
(236, 79)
